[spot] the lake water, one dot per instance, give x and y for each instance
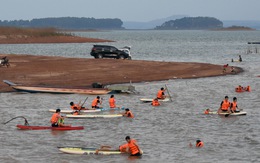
(162, 132)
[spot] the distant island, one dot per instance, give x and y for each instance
(15, 35)
(235, 28)
(72, 23)
(191, 23)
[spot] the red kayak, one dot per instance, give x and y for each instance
(25, 127)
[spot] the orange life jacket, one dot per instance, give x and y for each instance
(200, 144)
(155, 103)
(132, 147)
(75, 107)
(55, 117)
(248, 88)
(112, 103)
(234, 106)
(160, 94)
(130, 114)
(225, 105)
(206, 112)
(95, 102)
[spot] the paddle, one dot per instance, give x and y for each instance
(83, 103)
(168, 92)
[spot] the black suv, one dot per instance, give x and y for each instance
(106, 51)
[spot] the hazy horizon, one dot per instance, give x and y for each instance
(134, 10)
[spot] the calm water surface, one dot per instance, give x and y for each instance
(163, 132)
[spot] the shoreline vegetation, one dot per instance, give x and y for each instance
(235, 28)
(15, 35)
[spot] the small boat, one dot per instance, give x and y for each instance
(57, 90)
(87, 151)
(85, 111)
(95, 116)
(150, 100)
(27, 127)
(232, 114)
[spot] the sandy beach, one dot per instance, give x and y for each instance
(80, 72)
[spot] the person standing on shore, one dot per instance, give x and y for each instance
(240, 58)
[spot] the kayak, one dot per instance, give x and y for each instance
(150, 100)
(71, 111)
(233, 114)
(87, 151)
(85, 111)
(25, 127)
(95, 116)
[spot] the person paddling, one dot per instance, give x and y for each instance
(57, 120)
(76, 106)
(160, 94)
(224, 106)
(131, 146)
(96, 103)
(128, 113)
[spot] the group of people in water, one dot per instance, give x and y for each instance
(58, 121)
(242, 89)
(226, 106)
(160, 95)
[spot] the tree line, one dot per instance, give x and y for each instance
(191, 23)
(66, 23)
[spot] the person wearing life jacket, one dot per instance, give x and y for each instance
(96, 102)
(199, 144)
(57, 119)
(76, 106)
(160, 94)
(131, 146)
(224, 106)
(155, 102)
(112, 102)
(239, 88)
(128, 113)
(233, 106)
(207, 111)
(248, 88)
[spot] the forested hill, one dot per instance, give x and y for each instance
(67, 23)
(191, 23)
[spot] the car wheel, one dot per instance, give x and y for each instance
(121, 57)
(129, 58)
(99, 56)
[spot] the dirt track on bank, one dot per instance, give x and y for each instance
(79, 72)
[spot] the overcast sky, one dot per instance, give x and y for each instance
(129, 10)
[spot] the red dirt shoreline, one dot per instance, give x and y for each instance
(33, 70)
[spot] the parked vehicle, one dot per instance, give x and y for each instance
(107, 51)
